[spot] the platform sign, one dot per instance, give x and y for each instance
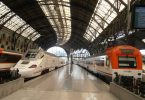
(138, 17)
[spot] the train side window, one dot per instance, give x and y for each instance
(100, 62)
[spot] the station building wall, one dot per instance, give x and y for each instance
(10, 40)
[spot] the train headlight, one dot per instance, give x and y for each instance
(33, 66)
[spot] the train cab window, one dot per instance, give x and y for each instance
(31, 55)
(127, 62)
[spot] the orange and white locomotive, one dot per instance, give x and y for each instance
(123, 60)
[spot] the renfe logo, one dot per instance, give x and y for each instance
(127, 51)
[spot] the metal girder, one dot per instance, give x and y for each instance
(91, 33)
(5, 21)
(5, 14)
(19, 35)
(93, 28)
(77, 5)
(74, 4)
(46, 3)
(84, 23)
(123, 3)
(116, 10)
(110, 30)
(101, 18)
(79, 41)
(32, 34)
(24, 30)
(20, 28)
(46, 44)
(98, 23)
(53, 19)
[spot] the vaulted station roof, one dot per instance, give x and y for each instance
(59, 16)
(29, 12)
(72, 24)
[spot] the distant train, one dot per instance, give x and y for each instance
(119, 61)
(8, 59)
(35, 62)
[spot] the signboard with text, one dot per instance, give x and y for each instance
(138, 17)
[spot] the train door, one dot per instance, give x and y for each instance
(108, 63)
(94, 64)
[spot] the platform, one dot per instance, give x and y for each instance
(64, 84)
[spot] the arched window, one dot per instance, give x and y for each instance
(81, 53)
(58, 51)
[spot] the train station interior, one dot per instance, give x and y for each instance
(72, 49)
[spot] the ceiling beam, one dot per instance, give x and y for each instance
(116, 10)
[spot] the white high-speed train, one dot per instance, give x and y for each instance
(35, 62)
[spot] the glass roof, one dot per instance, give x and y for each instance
(15, 23)
(58, 14)
(81, 53)
(104, 13)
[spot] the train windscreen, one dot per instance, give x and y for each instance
(127, 62)
(31, 54)
(7, 58)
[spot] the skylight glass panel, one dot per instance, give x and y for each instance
(93, 22)
(121, 7)
(15, 24)
(3, 9)
(100, 30)
(97, 35)
(33, 34)
(27, 32)
(58, 13)
(36, 37)
(107, 13)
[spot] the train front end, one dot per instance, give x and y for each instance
(126, 62)
(28, 65)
